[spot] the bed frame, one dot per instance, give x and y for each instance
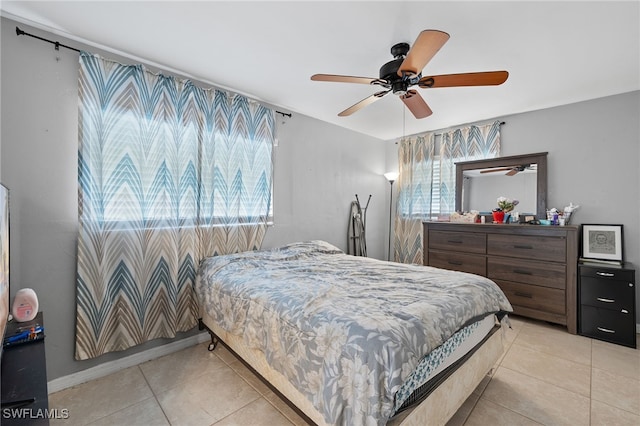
(441, 404)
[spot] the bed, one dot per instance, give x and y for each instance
(352, 340)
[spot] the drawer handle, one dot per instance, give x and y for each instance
(605, 330)
(454, 241)
(523, 247)
(605, 274)
(454, 262)
(522, 272)
(527, 295)
(602, 299)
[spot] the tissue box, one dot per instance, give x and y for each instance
(468, 217)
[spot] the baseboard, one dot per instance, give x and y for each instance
(110, 367)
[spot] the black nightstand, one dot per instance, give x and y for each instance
(607, 303)
(24, 393)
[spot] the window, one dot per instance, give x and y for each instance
(424, 200)
(435, 191)
(180, 165)
(427, 178)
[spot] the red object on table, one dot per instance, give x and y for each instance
(498, 217)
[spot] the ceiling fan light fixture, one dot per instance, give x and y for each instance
(400, 87)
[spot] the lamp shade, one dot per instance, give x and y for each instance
(391, 176)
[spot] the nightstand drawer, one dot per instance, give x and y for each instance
(607, 294)
(606, 273)
(608, 325)
(473, 264)
(528, 246)
(468, 242)
(543, 274)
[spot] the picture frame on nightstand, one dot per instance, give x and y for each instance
(602, 242)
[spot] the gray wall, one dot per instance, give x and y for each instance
(318, 169)
(593, 161)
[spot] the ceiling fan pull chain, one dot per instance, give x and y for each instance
(404, 122)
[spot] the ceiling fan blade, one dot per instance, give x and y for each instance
(424, 48)
(343, 78)
(512, 172)
(502, 169)
(363, 103)
(416, 104)
(488, 78)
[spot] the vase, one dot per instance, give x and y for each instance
(498, 217)
(507, 218)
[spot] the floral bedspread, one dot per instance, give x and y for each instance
(346, 331)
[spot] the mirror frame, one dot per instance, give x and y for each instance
(539, 158)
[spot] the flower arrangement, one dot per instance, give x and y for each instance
(506, 204)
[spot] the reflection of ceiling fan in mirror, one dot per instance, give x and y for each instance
(405, 71)
(511, 170)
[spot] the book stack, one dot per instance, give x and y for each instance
(601, 262)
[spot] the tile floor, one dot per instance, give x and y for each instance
(546, 377)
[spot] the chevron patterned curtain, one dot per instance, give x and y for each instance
(464, 144)
(427, 182)
(169, 173)
(416, 157)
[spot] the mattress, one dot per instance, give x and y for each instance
(345, 331)
(441, 358)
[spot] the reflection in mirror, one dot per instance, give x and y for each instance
(481, 189)
(479, 183)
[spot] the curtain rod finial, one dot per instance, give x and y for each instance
(19, 31)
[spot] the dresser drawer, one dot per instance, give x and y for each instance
(468, 242)
(471, 263)
(533, 272)
(528, 246)
(534, 297)
(608, 325)
(607, 294)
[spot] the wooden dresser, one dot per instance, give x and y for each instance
(536, 266)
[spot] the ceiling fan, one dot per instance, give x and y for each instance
(405, 71)
(511, 170)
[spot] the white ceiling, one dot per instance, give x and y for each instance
(556, 52)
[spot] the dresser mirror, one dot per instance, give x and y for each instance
(479, 183)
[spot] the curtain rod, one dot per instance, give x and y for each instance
(462, 125)
(58, 45)
(440, 134)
